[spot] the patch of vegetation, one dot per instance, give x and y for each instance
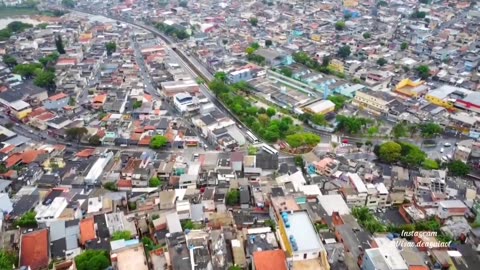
(93, 260)
(110, 186)
(158, 141)
(125, 235)
(154, 182)
(172, 31)
(27, 220)
(233, 197)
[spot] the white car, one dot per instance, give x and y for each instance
(449, 156)
(441, 150)
(447, 144)
(445, 158)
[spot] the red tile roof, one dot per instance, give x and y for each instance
(87, 230)
(145, 140)
(58, 96)
(270, 260)
(100, 99)
(35, 250)
(37, 111)
(124, 184)
(85, 153)
(7, 149)
(13, 160)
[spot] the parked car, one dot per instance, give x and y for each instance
(447, 144)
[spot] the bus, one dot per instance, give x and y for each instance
(267, 148)
(251, 137)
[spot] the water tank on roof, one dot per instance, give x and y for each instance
(287, 224)
(390, 236)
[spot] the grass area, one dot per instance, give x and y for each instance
(6, 12)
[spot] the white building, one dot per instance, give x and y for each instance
(98, 167)
(49, 213)
(185, 103)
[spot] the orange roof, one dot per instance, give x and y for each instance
(66, 61)
(37, 111)
(7, 149)
(31, 155)
(13, 160)
(145, 140)
(46, 116)
(10, 174)
(270, 260)
(124, 183)
(148, 97)
(58, 96)
(135, 136)
(60, 147)
(85, 153)
(100, 98)
(87, 230)
(34, 249)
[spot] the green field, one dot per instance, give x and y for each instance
(6, 12)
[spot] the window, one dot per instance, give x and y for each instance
(305, 256)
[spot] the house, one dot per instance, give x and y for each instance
(451, 208)
(269, 260)
(273, 57)
(130, 257)
(411, 88)
(35, 250)
(374, 101)
(320, 107)
(56, 102)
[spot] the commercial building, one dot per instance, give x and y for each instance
(185, 103)
(175, 87)
(411, 88)
(97, 169)
(452, 97)
(320, 107)
(373, 101)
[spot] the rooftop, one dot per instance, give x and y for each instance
(270, 260)
(303, 232)
(35, 250)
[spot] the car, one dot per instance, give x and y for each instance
(449, 156)
(447, 144)
(441, 150)
(445, 158)
(345, 141)
(31, 131)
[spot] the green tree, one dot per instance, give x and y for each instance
(188, 225)
(344, 51)
(27, 70)
(423, 71)
(233, 197)
(400, 130)
(45, 79)
(413, 157)
(430, 164)
(338, 100)
(352, 125)
(154, 182)
(221, 76)
(430, 130)
(42, 25)
(252, 151)
(367, 35)
(158, 141)
(8, 259)
(271, 112)
(49, 59)
(148, 243)
(255, 45)
(390, 152)
(94, 140)
(404, 46)
(286, 71)
(326, 61)
(419, 15)
(76, 133)
(111, 47)
(59, 44)
(458, 168)
(125, 235)
(381, 61)
(340, 25)
(253, 21)
(17, 26)
(110, 186)
(93, 260)
(27, 220)
(72, 101)
(319, 119)
(137, 104)
(9, 60)
(68, 3)
(299, 161)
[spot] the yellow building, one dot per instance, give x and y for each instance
(442, 96)
(22, 113)
(350, 3)
(336, 65)
(411, 88)
(316, 37)
(375, 101)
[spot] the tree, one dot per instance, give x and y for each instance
(326, 61)
(125, 235)
(367, 35)
(268, 43)
(419, 15)
(17, 26)
(8, 259)
(430, 164)
(286, 71)
(94, 140)
(9, 60)
(154, 182)
(253, 21)
(45, 79)
(59, 44)
(271, 112)
(404, 46)
(110, 186)
(412, 155)
(92, 260)
(137, 104)
(27, 70)
(233, 197)
(319, 119)
(338, 100)
(27, 220)
(390, 152)
(221, 76)
(148, 242)
(158, 141)
(111, 47)
(458, 168)
(76, 133)
(68, 3)
(399, 130)
(423, 71)
(340, 25)
(430, 130)
(188, 225)
(252, 151)
(49, 59)
(359, 144)
(344, 51)
(352, 125)
(381, 61)
(302, 139)
(299, 161)
(255, 45)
